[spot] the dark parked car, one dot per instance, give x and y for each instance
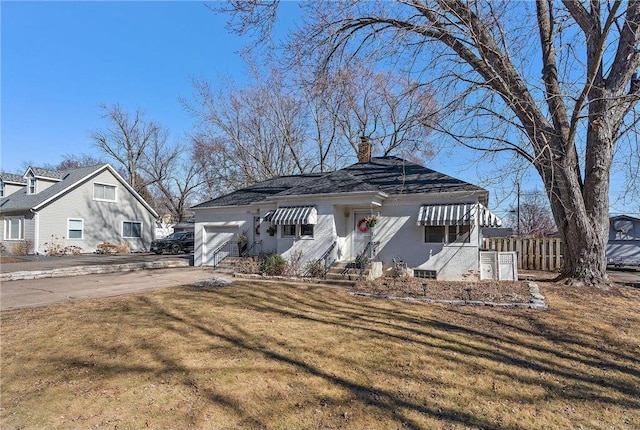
(175, 243)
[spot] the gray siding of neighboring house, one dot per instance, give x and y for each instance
(624, 248)
(11, 188)
(102, 221)
(43, 184)
(29, 229)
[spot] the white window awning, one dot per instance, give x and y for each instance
(458, 214)
(295, 215)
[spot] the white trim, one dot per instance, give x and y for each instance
(92, 174)
(30, 180)
(104, 184)
(6, 229)
(81, 229)
(132, 222)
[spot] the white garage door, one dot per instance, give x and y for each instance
(214, 238)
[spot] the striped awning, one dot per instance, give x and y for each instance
(458, 214)
(295, 215)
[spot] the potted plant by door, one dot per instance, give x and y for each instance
(372, 220)
(271, 230)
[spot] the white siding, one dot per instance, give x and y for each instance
(397, 231)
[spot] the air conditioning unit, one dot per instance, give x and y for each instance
(501, 266)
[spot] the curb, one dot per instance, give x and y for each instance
(537, 300)
(91, 270)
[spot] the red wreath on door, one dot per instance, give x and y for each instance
(363, 225)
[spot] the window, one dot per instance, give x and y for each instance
(435, 234)
(32, 186)
(306, 230)
(104, 192)
(1, 189)
(75, 228)
(288, 230)
(447, 234)
(462, 233)
(131, 229)
(298, 230)
(13, 229)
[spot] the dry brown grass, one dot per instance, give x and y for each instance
(283, 356)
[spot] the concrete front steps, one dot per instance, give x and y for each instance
(345, 271)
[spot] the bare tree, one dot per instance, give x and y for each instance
(532, 216)
(174, 174)
(246, 135)
(73, 161)
(565, 123)
(125, 140)
(394, 111)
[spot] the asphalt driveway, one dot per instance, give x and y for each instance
(39, 292)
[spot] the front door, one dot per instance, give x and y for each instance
(361, 233)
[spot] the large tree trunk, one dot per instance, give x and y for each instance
(581, 213)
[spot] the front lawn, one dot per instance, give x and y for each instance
(282, 357)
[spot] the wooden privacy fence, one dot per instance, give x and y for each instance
(533, 253)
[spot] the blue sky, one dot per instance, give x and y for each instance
(61, 59)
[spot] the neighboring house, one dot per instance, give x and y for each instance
(428, 220)
(497, 232)
(623, 247)
(10, 183)
(81, 207)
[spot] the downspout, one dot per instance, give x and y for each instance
(36, 232)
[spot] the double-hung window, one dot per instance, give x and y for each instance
(104, 192)
(298, 230)
(13, 229)
(131, 229)
(75, 228)
(289, 230)
(32, 186)
(447, 233)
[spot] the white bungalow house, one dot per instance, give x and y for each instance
(428, 220)
(81, 207)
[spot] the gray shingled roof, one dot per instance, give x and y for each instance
(393, 175)
(41, 172)
(20, 200)
(260, 191)
(390, 175)
(12, 177)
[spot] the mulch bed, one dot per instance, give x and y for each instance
(485, 291)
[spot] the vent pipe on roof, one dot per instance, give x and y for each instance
(364, 150)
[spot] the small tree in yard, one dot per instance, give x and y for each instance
(552, 82)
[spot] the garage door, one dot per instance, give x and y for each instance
(214, 238)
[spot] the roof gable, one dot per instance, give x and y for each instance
(69, 180)
(11, 178)
(42, 173)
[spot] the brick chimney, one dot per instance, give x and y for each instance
(364, 150)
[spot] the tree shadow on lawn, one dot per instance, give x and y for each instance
(500, 345)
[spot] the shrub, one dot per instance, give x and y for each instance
(293, 265)
(251, 265)
(314, 269)
(22, 248)
(274, 265)
(56, 249)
